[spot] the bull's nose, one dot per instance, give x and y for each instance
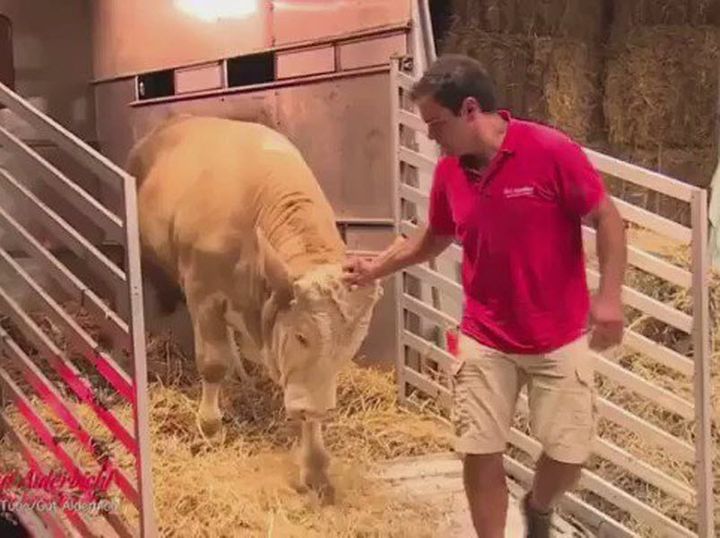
(311, 401)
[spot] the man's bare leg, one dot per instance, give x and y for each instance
(487, 493)
(552, 479)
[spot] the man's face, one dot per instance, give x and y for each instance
(454, 134)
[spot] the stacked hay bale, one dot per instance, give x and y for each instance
(661, 91)
(545, 57)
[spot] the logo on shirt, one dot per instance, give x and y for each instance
(519, 192)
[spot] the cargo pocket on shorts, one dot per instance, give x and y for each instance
(587, 410)
(458, 413)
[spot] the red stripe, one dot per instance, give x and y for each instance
(85, 392)
(81, 434)
(54, 402)
(51, 522)
(45, 435)
(113, 377)
(452, 341)
(72, 516)
(128, 489)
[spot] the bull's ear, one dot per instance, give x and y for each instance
(275, 269)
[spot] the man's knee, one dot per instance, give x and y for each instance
(559, 470)
(486, 469)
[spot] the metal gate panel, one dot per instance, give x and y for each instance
(51, 362)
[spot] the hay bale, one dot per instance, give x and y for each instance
(629, 15)
(552, 80)
(693, 166)
(507, 59)
(661, 87)
(569, 74)
(581, 19)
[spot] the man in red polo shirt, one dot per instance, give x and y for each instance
(514, 194)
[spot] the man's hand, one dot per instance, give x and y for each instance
(606, 322)
(358, 271)
(606, 311)
(403, 252)
(361, 271)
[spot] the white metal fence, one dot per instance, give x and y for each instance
(670, 429)
(79, 372)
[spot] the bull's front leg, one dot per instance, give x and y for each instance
(315, 461)
(213, 356)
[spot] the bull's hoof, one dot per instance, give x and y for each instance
(320, 484)
(210, 428)
(326, 494)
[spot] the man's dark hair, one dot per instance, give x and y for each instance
(454, 77)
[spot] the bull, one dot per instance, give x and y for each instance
(233, 214)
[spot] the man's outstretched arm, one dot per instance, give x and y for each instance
(418, 248)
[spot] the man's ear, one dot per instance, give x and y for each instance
(470, 107)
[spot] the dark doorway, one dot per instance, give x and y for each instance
(7, 65)
(441, 19)
(156, 84)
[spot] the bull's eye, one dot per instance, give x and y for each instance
(301, 339)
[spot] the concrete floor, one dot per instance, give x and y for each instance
(438, 478)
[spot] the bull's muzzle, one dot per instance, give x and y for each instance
(309, 403)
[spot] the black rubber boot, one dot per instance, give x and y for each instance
(537, 524)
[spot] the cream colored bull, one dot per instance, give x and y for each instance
(233, 213)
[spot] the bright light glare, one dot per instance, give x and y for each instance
(212, 10)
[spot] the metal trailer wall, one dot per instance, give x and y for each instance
(52, 53)
(52, 60)
(339, 121)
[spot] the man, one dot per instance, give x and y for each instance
(515, 193)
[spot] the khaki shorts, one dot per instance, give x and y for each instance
(561, 399)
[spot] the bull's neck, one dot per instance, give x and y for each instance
(301, 231)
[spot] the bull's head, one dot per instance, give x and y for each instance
(312, 326)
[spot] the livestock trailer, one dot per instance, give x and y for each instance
(84, 79)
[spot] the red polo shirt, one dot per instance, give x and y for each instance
(519, 223)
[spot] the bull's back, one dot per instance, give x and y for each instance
(203, 181)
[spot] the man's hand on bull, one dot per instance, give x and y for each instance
(359, 271)
(364, 270)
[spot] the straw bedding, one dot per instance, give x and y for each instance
(246, 484)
